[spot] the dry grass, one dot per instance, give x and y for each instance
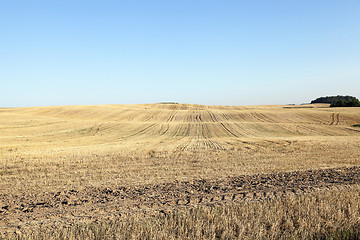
(324, 215)
(50, 149)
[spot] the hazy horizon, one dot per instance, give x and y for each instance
(198, 52)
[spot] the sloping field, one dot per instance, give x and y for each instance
(167, 127)
(55, 161)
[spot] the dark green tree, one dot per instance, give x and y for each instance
(339, 101)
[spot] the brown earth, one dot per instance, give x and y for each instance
(93, 204)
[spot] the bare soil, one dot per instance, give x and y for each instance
(94, 204)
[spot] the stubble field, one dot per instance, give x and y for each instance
(98, 171)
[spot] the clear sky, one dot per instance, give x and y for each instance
(241, 52)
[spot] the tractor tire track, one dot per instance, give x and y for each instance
(232, 133)
(163, 132)
(212, 116)
(143, 131)
(335, 119)
(172, 116)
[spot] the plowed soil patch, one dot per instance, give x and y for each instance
(97, 203)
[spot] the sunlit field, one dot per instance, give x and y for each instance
(110, 167)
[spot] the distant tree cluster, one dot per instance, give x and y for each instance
(339, 101)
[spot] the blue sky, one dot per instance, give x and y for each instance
(200, 51)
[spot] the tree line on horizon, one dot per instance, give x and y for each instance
(338, 101)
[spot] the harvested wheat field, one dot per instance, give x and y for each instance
(169, 171)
